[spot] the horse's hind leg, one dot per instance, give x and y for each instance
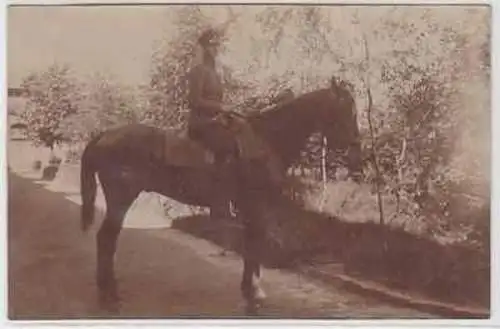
(118, 201)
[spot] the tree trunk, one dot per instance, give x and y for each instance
(374, 158)
(399, 164)
(323, 174)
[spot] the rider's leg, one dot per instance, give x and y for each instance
(217, 138)
(225, 162)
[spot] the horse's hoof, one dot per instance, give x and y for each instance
(255, 294)
(110, 304)
(254, 301)
(259, 295)
(111, 308)
(252, 308)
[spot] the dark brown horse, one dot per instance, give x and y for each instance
(137, 158)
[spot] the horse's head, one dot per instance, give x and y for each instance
(330, 111)
(339, 125)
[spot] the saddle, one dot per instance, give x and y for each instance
(178, 149)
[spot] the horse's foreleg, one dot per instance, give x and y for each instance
(250, 284)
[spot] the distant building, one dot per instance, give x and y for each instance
(15, 92)
(16, 104)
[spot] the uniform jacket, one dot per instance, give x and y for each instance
(205, 93)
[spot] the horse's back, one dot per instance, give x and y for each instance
(140, 142)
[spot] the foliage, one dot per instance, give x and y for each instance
(426, 84)
(424, 119)
(103, 104)
(52, 97)
(170, 63)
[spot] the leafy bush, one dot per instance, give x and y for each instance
(53, 96)
(104, 103)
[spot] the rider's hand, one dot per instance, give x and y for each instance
(226, 109)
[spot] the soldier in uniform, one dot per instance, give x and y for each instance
(207, 123)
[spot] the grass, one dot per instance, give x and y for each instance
(398, 259)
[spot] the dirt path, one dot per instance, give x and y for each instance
(163, 273)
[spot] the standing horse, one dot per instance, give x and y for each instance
(136, 158)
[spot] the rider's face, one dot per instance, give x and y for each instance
(212, 50)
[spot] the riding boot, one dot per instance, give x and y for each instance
(223, 188)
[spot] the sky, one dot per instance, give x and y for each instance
(113, 40)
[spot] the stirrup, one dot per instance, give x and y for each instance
(232, 209)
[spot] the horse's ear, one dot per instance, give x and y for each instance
(345, 85)
(333, 82)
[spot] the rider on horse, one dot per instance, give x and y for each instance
(206, 122)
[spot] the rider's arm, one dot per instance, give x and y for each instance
(196, 100)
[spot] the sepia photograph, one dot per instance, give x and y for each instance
(248, 161)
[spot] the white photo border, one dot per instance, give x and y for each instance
(392, 323)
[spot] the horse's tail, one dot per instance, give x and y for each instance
(88, 185)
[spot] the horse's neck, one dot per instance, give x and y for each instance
(287, 132)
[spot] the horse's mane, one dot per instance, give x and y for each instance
(278, 111)
(287, 125)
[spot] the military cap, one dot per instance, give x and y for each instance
(209, 37)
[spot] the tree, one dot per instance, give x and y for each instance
(424, 80)
(104, 104)
(171, 62)
(173, 59)
(52, 97)
(429, 86)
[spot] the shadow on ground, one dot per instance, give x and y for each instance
(395, 258)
